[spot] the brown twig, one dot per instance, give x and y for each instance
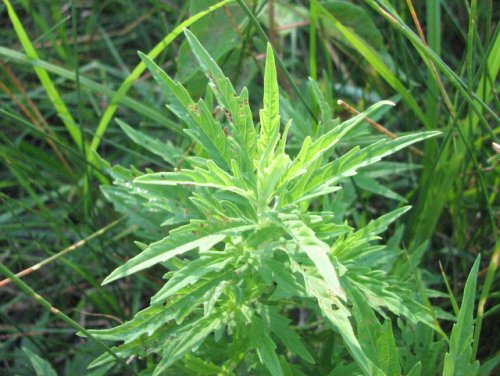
(380, 128)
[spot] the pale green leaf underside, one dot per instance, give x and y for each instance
(317, 251)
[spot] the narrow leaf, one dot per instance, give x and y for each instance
(171, 246)
(41, 366)
(262, 342)
(269, 115)
(458, 360)
(317, 251)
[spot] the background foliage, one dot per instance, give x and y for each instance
(68, 70)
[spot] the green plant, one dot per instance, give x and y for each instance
(263, 273)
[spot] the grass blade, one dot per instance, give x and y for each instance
(458, 360)
(49, 307)
(45, 79)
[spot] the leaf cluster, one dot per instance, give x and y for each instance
(250, 253)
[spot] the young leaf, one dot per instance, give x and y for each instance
(458, 360)
(269, 115)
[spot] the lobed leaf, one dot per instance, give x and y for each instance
(213, 177)
(236, 108)
(202, 127)
(174, 245)
(314, 150)
(349, 163)
(317, 251)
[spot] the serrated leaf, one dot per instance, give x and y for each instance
(191, 273)
(236, 108)
(171, 246)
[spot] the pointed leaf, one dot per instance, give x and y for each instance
(41, 366)
(171, 246)
(269, 115)
(191, 273)
(168, 152)
(262, 342)
(202, 126)
(317, 251)
(235, 107)
(213, 177)
(458, 360)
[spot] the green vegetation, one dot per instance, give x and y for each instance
(277, 229)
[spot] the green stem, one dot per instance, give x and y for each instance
(65, 251)
(45, 304)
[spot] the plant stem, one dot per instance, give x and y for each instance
(46, 304)
(65, 251)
